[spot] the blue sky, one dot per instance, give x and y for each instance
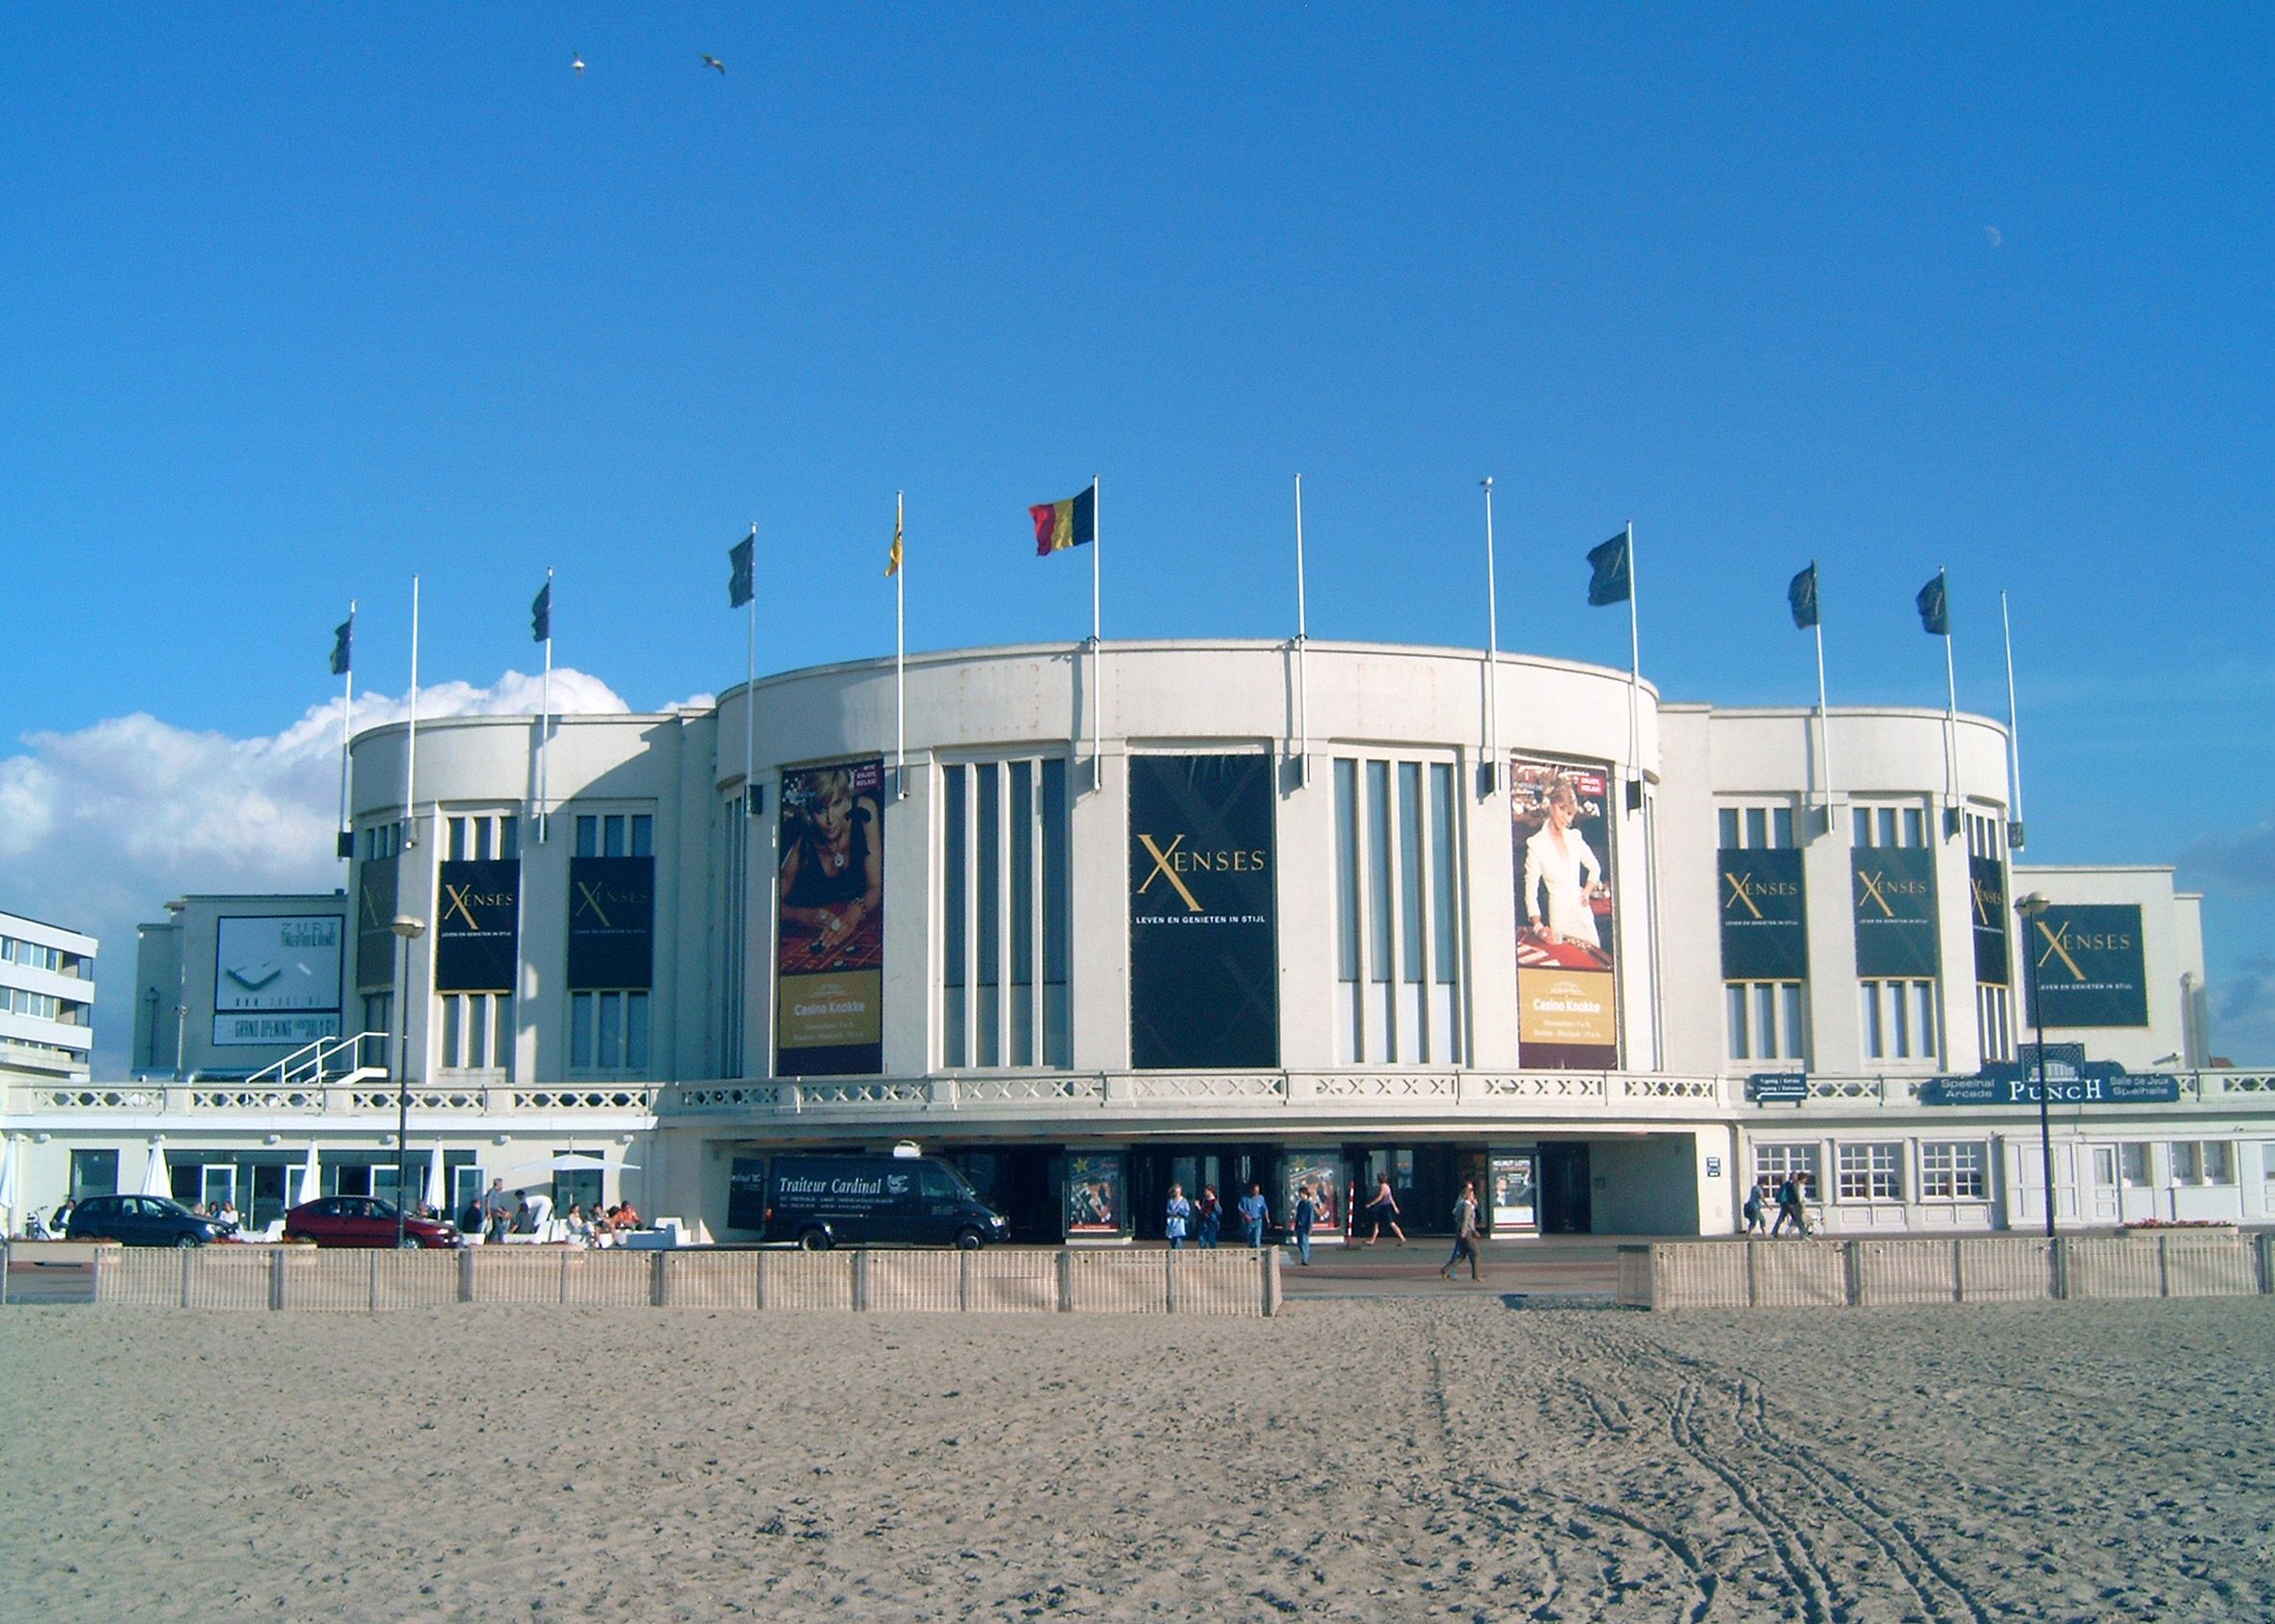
(297, 301)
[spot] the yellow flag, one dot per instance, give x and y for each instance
(892, 565)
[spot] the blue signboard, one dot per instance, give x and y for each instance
(1783, 1089)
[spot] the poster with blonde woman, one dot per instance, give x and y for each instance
(1566, 991)
(830, 896)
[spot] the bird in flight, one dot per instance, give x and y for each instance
(576, 60)
(710, 61)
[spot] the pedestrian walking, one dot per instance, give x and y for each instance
(1792, 1196)
(1307, 1216)
(1757, 1198)
(1465, 1234)
(1177, 1217)
(1384, 1210)
(498, 1211)
(1254, 1214)
(1208, 1218)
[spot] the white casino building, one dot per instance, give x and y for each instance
(1332, 914)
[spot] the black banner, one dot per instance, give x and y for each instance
(375, 924)
(1765, 920)
(1987, 906)
(2087, 965)
(1203, 942)
(478, 903)
(830, 941)
(611, 923)
(1895, 907)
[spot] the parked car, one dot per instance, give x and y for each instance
(363, 1220)
(142, 1220)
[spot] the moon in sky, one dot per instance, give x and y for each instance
(1991, 236)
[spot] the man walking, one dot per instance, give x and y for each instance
(1791, 1209)
(1254, 1214)
(1465, 1234)
(1307, 1215)
(498, 1211)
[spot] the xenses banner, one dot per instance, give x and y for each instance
(1765, 929)
(2087, 964)
(1986, 912)
(611, 923)
(1894, 898)
(829, 945)
(1567, 996)
(1204, 988)
(478, 905)
(277, 979)
(375, 924)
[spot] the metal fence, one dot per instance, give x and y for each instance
(310, 1280)
(1764, 1274)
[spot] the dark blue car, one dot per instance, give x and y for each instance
(141, 1221)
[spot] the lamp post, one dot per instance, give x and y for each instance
(2028, 909)
(407, 929)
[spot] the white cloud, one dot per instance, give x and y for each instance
(2243, 1013)
(100, 828)
(2239, 860)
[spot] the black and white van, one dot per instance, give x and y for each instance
(818, 1202)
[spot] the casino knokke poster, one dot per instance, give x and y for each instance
(829, 945)
(1567, 995)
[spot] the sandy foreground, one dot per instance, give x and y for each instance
(1389, 1459)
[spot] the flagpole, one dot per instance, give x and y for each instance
(411, 747)
(751, 686)
(1634, 666)
(1824, 728)
(1097, 736)
(2014, 733)
(346, 720)
(1951, 715)
(1492, 654)
(900, 651)
(544, 730)
(1650, 831)
(1303, 685)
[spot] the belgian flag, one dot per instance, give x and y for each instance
(1070, 523)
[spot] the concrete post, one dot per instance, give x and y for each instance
(6, 1257)
(1065, 1281)
(276, 1280)
(94, 1272)
(1169, 1271)
(963, 1282)
(466, 1272)
(2059, 1248)
(1270, 1264)
(860, 1280)
(1852, 1272)
(373, 1305)
(2266, 1252)
(1959, 1271)
(187, 1252)
(659, 1291)
(761, 1283)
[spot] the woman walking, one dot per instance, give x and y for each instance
(1384, 1210)
(1178, 1214)
(1465, 1234)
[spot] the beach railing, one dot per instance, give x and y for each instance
(1007, 1281)
(1829, 1273)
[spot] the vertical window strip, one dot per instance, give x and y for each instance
(1057, 924)
(1379, 876)
(1446, 956)
(1410, 875)
(954, 915)
(1022, 913)
(988, 1014)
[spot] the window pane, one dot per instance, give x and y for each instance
(635, 1031)
(501, 1030)
(1887, 825)
(1022, 931)
(1900, 1030)
(1757, 827)
(642, 834)
(1058, 920)
(1924, 996)
(1410, 878)
(955, 913)
(580, 1029)
(1915, 826)
(453, 1007)
(509, 836)
(1728, 819)
(612, 835)
(611, 1039)
(1790, 996)
(1875, 1039)
(1446, 951)
(1379, 853)
(1781, 827)
(1347, 871)
(989, 905)
(1734, 997)
(588, 835)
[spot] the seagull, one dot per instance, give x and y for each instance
(576, 60)
(710, 61)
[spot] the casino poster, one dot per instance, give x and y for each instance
(1204, 986)
(1765, 924)
(1893, 896)
(1567, 996)
(829, 946)
(2087, 965)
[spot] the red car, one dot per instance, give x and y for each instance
(361, 1221)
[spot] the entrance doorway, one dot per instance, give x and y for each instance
(1565, 1208)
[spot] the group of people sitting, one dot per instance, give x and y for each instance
(503, 1212)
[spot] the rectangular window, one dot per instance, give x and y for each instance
(1956, 1171)
(1888, 826)
(378, 1020)
(1899, 1020)
(608, 1031)
(479, 836)
(1870, 1171)
(734, 956)
(476, 1031)
(1006, 918)
(1769, 827)
(1766, 1019)
(2133, 1165)
(1776, 1162)
(614, 835)
(2187, 1163)
(93, 1173)
(1986, 836)
(1994, 1021)
(1397, 890)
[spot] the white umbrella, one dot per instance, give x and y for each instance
(437, 1183)
(156, 1181)
(8, 1161)
(312, 1179)
(569, 1161)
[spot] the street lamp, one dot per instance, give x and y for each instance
(407, 929)
(2030, 907)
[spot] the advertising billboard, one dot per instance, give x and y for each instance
(276, 980)
(1093, 1192)
(477, 935)
(1894, 898)
(611, 923)
(2087, 965)
(1986, 912)
(1567, 996)
(1204, 985)
(1765, 926)
(830, 943)
(375, 924)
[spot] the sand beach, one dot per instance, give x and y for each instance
(1391, 1459)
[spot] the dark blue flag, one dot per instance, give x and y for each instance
(739, 587)
(1934, 608)
(541, 615)
(1609, 584)
(342, 645)
(1801, 598)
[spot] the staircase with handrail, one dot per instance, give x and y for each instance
(316, 1065)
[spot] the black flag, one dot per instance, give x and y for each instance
(1934, 608)
(342, 645)
(739, 590)
(1801, 598)
(1609, 583)
(541, 615)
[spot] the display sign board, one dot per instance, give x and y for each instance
(1765, 929)
(1204, 981)
(2010, 1086)
(1516, 1191)
(276, 980)
(1986, 907)
(477, 928)
(2088, 966)
(1319, 1170)
(1093, 1195)
(611, 923)
(375, 924)
(1567, 995)
(829, 946)
(1894, 898)
(1777, 1089)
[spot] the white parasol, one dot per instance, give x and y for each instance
(568, 1161)
(437, 1183)
(8, 1177)
(312, 1181)
(155, 1180)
